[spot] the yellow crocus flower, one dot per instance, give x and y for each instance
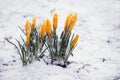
(27, 26)
(43, 30)
(48, 28)
(55, 21)
(34, 23)
(74, 41)
(67, 22)
(73, 21)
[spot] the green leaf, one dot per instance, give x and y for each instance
(22, 30)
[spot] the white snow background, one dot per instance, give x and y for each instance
(97, 55)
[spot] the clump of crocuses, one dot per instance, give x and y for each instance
(61, 47)
(46, 38)
(31, 48)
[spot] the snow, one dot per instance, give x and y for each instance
(96, 56)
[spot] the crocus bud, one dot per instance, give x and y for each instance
(34, 23)
(28, 30)
(73, 21)
(74, 41)
(27, 26)
(43, 30)
(67, 22)
(48, 28)
(55, 21)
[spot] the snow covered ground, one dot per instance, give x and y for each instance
(97, 56)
